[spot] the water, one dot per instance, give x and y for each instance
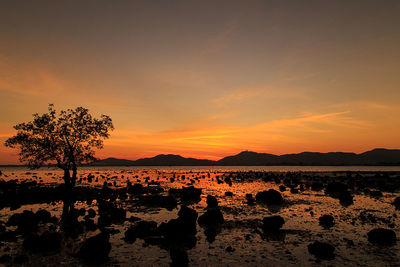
(43, 170)
(242, 221)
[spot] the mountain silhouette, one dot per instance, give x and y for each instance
(379, 156)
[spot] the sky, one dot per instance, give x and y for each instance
(207, 79)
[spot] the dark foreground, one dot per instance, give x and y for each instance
(145, 218)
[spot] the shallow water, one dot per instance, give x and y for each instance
(241, 229)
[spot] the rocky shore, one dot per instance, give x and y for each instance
(197, 218)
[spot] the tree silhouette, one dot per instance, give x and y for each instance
(67, 139)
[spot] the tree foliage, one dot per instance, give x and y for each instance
(67, 138)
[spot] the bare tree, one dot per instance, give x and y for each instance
(67, 139)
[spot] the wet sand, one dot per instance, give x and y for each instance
(241, 240)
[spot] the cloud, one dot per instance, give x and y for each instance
(300, 129)
(236, 96)
(370, 105)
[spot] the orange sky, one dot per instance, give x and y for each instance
(207, 79)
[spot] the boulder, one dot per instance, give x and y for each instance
(187, 194)
(345, 198)
(326, 220)
(396, 202)
(179, 257)
(335, 188)
(250, 199)
(270, 197)
(228, 194)
(155, 200)
(322, 250)
(211, 217)
(91, 213)
(43, 216)
(382, 236)
(294, 190)
(141, 229)
(96, 249)
(181, 228)
(272, 223)
(212, 202)
(109, 209)
(47, 242)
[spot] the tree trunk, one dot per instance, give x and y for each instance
(74, 173)
(67, 179)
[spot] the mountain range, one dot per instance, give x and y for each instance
(378, 156)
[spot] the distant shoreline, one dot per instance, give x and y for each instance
(375, 157)
(281, 165)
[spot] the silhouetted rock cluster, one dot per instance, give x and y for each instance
(187, 194)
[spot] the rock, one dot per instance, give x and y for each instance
(109, 209)
(89, 224)
(335, 188)
(272, 223)
(211, 217)
(179, 257)
(317, 186)
(81, 212)
(43, 216)
(271, 196)
(382, 236)
(47, 242)
(326, 220)
(229, 249)
(282, 188)
(211, 233)
(294, 190)
(95, 249)
(181, 228)
(322, 250)
(20, 259)
(91, 213)
(141, 229)
(134, 219)
(5, 258)
(136, 189)
(9, 236)
(168, 202)
(249, 196)
(345, 198)
(250, 199)
(187, 215)
(375, 193)
(26, 221)
(228, 194)
(396, 202)
(212, 202)
(187, 194)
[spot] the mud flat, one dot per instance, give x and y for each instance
(200, 218)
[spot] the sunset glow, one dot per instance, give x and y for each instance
(207, 82)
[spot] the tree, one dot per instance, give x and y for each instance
(67, 139)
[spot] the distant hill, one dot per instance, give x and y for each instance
(114, 162)
(379, 156)
(173, 160)
(159, 160)
(249, 157)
